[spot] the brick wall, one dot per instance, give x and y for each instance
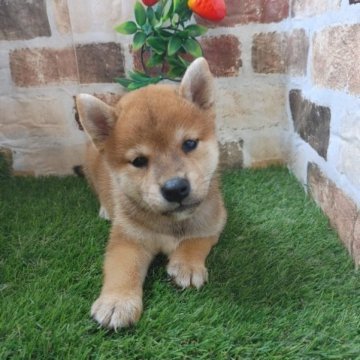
(287, 75)
(51, 50)
(324, 109)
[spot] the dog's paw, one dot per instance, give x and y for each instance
(186, 275)
(103, 214)
(116, 311)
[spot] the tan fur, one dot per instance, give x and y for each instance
(153, 122)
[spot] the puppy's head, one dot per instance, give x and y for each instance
(159, 142)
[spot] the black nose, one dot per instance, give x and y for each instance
(175, 189)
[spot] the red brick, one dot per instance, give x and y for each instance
(280, 52)
(340, 209)
(36, 67)
(100, 62)
(335, 59)
(247, 11)
(311, 122)
(23, 20)
(223, 54)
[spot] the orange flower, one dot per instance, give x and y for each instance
(214, 10)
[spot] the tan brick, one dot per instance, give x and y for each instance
(22, 20)
(356, 243)
(250, 106)
(100, 62)
(303, 8)
(62, 17)
(28, 119)
(98, 16)
(340, 209)
(265, 148)
(335, 60)
(247, 11)
(58, 159)
(349, 150)
(280, 52)
(262, 164)
(223, 54)
(37, 67)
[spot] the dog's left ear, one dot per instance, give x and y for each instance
(97, 118)
(197, 84)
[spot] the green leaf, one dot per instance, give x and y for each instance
(158, 10)
(193, 48)
(147, 28)
(185, 14)
(123, 82)
(166, 13)
(154, 60)
(165, 35)
(174, 61)
(175, 19)
(128, 28)
(174, 45)
(176, 72)
(181, 7)
(156, 79)
(139, 40)
(140, 14)
(138, 76)
(196, 30)
(136, 85)
(184, 62)
(151, 16)
(157, 44)
(177, 4)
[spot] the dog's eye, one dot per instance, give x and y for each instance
(189, 145)
(140, 161)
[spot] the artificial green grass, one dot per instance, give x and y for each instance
(281, 285)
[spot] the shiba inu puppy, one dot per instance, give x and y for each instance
(152, 161)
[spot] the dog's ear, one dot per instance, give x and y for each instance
(97, 118)
(197, 84)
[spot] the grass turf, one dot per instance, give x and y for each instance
(281, 286)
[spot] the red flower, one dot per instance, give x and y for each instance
(149, 2)
(214, 10)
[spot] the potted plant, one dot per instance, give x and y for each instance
(165, 37)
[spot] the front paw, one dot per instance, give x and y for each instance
(186, 274)
(116, 311)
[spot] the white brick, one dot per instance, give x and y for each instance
(98, 16)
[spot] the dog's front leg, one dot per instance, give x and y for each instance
(187, 262)
(120, 302)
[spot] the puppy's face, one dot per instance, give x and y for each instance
(160, 144)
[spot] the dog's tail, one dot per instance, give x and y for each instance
(79, 171)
